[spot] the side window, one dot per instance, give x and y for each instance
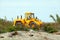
(29, 17)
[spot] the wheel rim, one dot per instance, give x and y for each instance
(32, 24)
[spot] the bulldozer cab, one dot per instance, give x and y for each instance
(29, 15)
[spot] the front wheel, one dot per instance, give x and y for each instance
(19, 25)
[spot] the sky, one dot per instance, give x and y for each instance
(41, 8)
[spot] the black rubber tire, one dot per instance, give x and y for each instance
(33, 23)
(19, 24)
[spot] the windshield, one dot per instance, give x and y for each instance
(29, 15)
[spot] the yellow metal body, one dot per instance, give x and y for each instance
(28, 19)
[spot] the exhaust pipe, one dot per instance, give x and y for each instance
(21, 16)
(17, 17)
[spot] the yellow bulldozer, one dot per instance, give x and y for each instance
(30, 21)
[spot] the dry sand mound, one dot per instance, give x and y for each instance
(31, 35)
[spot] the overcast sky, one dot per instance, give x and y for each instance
(41, 8)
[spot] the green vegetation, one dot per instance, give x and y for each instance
(50, 29)
(21, 28)
(57, 19)
(7, 26)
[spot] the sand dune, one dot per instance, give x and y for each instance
(34, 35)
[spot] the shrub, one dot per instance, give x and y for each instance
(50, 29)
(26, 29)
(35, 29)
(3, 31)
(21, 28)
(12, 28)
